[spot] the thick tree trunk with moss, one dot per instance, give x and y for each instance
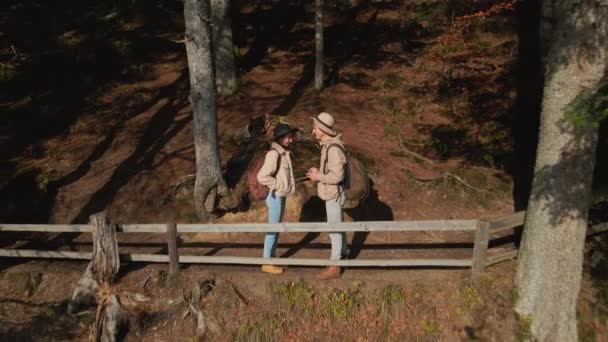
(199, 49)
(224, 47)
(551, 257)
(318, 45)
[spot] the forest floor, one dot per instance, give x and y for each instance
(429, 102)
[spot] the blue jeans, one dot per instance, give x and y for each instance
(335, 214)
(276, 207)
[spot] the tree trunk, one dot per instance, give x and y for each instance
(199, 49)
(224, 47)
(318, 45)
(550, 262)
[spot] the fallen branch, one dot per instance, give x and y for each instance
(453, 176)
(192, 298)
(414, 154)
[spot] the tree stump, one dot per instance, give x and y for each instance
(95, 283)
(106, 260)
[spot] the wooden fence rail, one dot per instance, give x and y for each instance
(313, 227)
(483, 231)
(194, 259)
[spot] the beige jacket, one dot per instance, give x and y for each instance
(283, 183)
(329, 183)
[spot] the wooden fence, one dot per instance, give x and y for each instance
(484, 232)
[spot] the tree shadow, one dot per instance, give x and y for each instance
(351, 38)
(506, 130)
(270, 26)
(297, 90)
(313, 210)
(305, 242)
(160, 129)
(30, 203)
(50, 322)
(599, 209)
(361, 38)
(372, 209)
(526, 111)
(58, 74)
(64, 58)
(240, 161)
(562, 188)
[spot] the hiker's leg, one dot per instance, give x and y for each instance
(275, 208)
(335, 214)
(344, 247)
(270, 243)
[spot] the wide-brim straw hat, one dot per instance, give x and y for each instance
(325, 122)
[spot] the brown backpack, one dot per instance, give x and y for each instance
(257, 191)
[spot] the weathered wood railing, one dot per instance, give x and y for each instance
(484, 230)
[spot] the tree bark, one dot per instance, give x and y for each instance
(199, 49)
(224, 47)
(550, 262)
(96, 282)
(318, 45)
(106, 260)
(104, 265)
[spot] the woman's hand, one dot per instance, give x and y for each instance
(313, 174)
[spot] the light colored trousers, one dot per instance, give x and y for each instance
(276, 207)
(335, 214)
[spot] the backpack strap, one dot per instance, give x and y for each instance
(274, 174)
(327, 155)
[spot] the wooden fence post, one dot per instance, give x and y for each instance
(480, 249)
(172, 248)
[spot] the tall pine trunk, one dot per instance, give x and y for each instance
(318, 45)
(551, 257)
(199, 49)
(224, 47)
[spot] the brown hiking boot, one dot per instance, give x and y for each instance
(330, 272)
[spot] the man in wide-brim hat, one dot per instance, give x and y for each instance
(330, 177)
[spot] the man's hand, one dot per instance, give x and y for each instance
(313, 174)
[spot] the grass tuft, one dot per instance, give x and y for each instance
(270, 328)
(389, 299)
(340, 304)
(296, 296)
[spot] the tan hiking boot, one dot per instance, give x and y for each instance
(330, 272)
(272, 269)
